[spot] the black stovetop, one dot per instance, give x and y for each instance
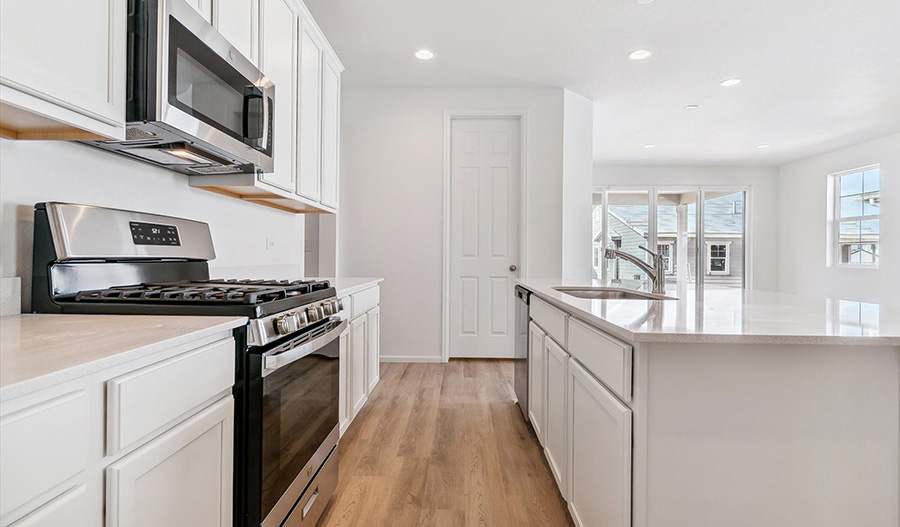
(251, 298)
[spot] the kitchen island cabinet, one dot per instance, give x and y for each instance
(737, 408)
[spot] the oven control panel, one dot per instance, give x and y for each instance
(154, 234)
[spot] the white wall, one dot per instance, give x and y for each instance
(763, 183)
(390, 224)
(32, 172)
(578, 138)
(802, 211)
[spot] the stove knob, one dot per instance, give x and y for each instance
(281, 325)
(328, 307)
(340, 303)
(302, 319)
(321, 311)
(338, 306)
(313, 314)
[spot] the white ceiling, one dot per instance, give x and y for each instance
(817, 74)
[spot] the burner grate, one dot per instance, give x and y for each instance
(203, 292)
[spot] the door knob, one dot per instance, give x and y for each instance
(513, 268)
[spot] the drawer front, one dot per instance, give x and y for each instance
(43, 446)
(365, 300)
(550, 319)
(142, 401)
(71, 509)
(607, 358)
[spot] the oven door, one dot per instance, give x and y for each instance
(299, 416)
(211, 91)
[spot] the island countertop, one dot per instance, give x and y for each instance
(727, 316)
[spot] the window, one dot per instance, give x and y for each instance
(717, 258)
(665, 249)
(856, 217)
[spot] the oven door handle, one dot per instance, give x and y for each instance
(274, 359)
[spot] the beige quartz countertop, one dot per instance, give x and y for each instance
(37, 351)
(728, 316)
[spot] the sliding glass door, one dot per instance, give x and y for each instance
(711, 256)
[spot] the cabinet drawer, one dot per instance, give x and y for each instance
(41, 447)
(550, 319)
(71, 509)
(606, 357)
(143, 401)
(365, 300)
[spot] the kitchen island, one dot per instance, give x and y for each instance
(731, 407)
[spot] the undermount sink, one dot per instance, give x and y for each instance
(613, 293)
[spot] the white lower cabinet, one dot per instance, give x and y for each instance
(360, 353)
(373, 345)
(537, 364)
(599, 453)
(555, 433)
(71, 509)
(183, 477)
(358, 336)
(344, 410)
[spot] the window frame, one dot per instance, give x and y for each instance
(834, 182)
(709, 258)
(670, 262)
(747, 276)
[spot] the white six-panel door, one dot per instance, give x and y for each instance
(484, 236)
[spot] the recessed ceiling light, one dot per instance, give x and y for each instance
(763, 145)
(644, 1)
(730, 82)
(649, 146)
(639, 54)
(424, 54)
(692, 107)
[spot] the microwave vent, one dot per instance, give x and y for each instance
(136, 134)
(230, 169)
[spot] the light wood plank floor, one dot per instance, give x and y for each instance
(444, 445)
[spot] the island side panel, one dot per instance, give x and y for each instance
(774, 435)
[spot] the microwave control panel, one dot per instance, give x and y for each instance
(154, 234)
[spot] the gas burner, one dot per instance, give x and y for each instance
(203, 292)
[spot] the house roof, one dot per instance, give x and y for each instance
(724, 215)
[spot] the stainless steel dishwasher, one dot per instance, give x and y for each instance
(523, 296)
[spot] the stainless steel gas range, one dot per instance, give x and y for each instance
(99, 260)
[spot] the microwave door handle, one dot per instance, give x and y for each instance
(249, 134)
(265, 131)
(274, 359)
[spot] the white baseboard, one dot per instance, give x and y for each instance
(410, 358)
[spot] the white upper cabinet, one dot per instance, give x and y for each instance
(204, 7)
(237, 21)
(296, 56)
(278, 58)
(309, 145)
(331, 132)
(62, 69)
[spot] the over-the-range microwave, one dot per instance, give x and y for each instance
(194, 103)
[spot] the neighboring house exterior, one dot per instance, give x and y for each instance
(724, 239)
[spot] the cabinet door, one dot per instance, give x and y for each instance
(308, 151)
(344, 412)
(358, 337)
(331, 134)
(555, 431)
(278, 58)
(536, 368)
(373, 349)
(204, 7)
(236, 20)
(63, 62)
(72, 509)
(599, 462)
(183, 477)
